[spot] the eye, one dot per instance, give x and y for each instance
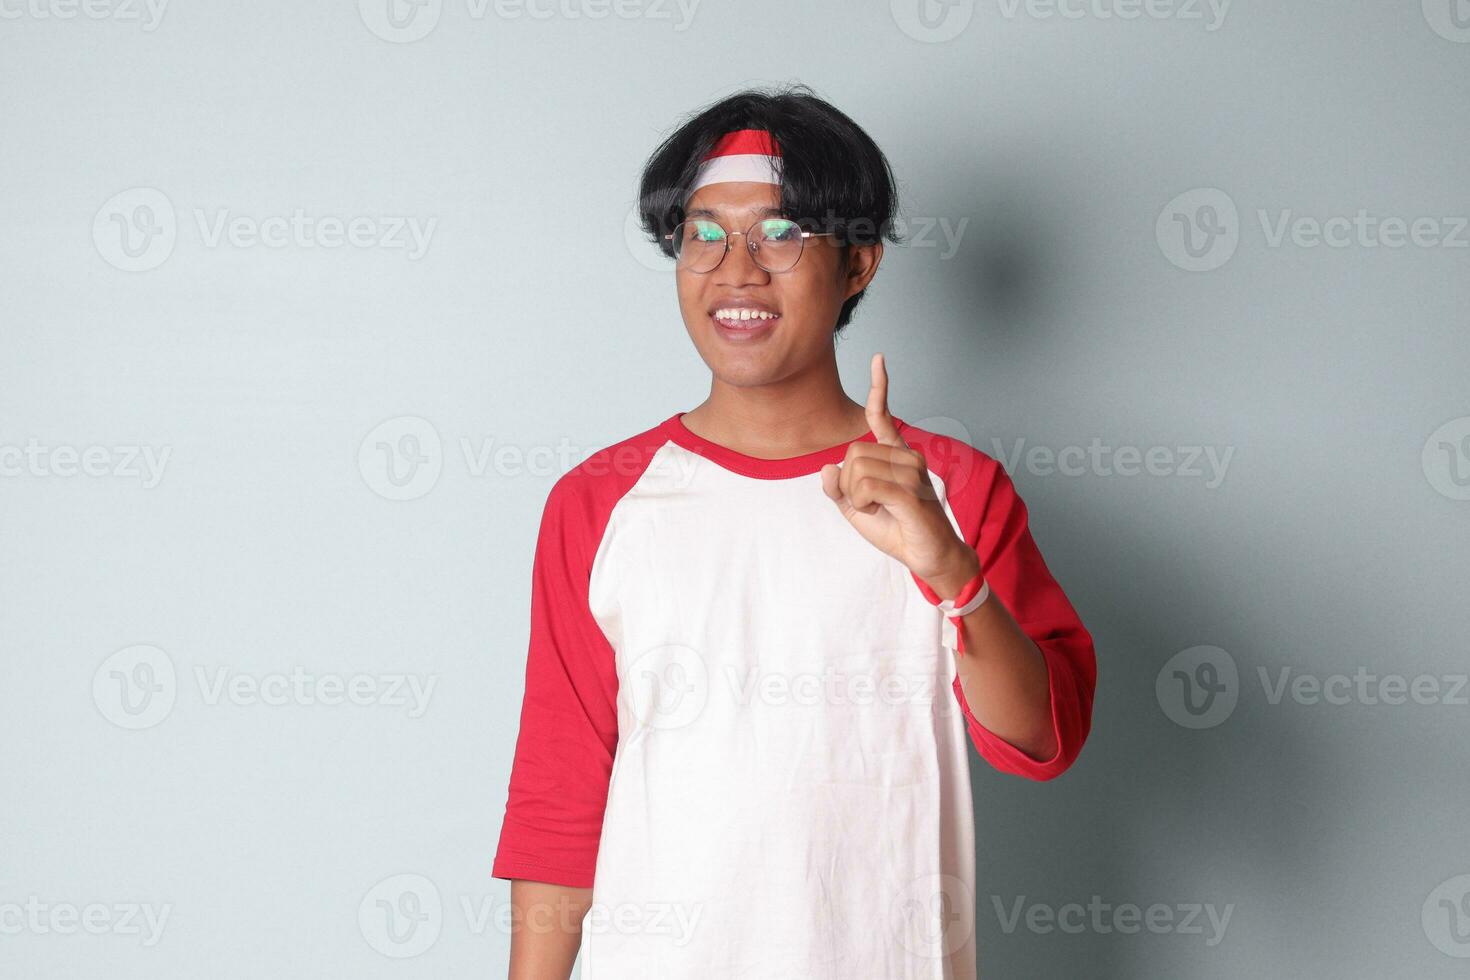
(705, 231)
(780, 229)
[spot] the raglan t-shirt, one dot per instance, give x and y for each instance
(742, 724)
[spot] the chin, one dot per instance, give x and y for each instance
(747, 370)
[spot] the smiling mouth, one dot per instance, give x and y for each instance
(743, 318)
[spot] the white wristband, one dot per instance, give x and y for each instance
(947, 606)
(949, 632)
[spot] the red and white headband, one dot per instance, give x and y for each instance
(745, 154)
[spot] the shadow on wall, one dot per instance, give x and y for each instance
(1152, 812)
(1010, 256)
(1008, 267)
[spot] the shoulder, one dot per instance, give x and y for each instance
(588, 491)
(968, 473)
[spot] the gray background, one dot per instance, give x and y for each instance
(1068, 312)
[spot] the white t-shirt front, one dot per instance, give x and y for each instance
(742, 726)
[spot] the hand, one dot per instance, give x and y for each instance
(883, 489)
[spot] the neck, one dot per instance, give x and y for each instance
(796, 415)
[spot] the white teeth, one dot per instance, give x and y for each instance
(744, 314)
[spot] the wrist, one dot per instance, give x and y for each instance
(962, 569)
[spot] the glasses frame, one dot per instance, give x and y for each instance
(750, 245)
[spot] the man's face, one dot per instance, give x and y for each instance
(802, 303)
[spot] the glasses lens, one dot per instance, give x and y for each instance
(699, 245)
(777, 243)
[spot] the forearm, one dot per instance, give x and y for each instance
(546, 929)
(1002, 672)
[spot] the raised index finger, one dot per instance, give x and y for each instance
(879, 420)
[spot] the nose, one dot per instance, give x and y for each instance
(739, 266)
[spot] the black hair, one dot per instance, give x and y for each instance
(833, 176)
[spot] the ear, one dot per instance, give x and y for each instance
(861, 266)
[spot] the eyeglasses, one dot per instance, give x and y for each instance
(775, 244)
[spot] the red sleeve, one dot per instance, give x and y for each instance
(993, 521)
(569, 723)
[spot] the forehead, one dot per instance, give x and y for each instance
(734, 199)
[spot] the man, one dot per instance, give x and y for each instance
(762, 630)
